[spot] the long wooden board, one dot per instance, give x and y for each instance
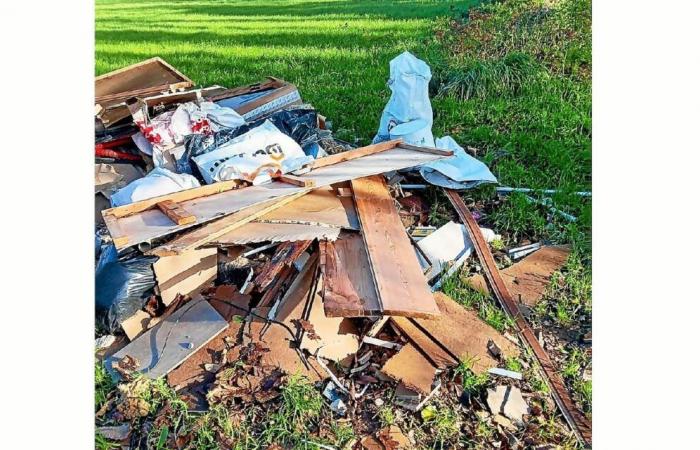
(348, 288)
(400, 283)
(147, 225)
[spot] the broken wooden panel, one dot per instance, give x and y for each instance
(136, 324)
(320, 214)
(284, 256)
(147, 225)
(529, 278)
(146, 77)
(185, 273)
(338, 338)
(400, 283)
(412, 368)
(464, 334)
(167, 344)
(335, 338)
(348, 288)
(256, 232)
(423, 342)
(318, 207)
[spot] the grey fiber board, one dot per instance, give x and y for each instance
(166, 345)
(151, 224)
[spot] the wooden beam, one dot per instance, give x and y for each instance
(295, 180)
(176, 213)
(176, 197)
(355, 153)
(214, 230)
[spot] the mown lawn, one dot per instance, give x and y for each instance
(511, 79)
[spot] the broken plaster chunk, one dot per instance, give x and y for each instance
(508, 401)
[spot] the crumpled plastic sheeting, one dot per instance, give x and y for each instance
(121, 287)
(408, 81)
(159, 181)
(169, 129)
(297, 123)
(460, 171)
(254, 156)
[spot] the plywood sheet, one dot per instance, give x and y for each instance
(529, 278)
(465, 335)
(412, 368)
(401, 285)
(173, 340)
(348, 288)
(144, 226)
(429, 348)
(185, 273)
(255, 232)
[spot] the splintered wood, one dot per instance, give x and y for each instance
(399, 280)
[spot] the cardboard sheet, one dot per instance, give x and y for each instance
(185, 273)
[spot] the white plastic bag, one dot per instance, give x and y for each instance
(408, 81)
(159, 181)
(459, 171)
(254, 156)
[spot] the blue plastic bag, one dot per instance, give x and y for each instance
(408, 81)
(459, 171)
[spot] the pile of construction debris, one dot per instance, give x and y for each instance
(239, 242)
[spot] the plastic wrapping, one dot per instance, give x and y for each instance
(409, 101)
(159, 181)
(122, 287)
(299, 124)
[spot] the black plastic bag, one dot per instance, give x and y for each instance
(122, 287)
(299, 124)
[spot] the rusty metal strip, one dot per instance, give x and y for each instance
(578, 422)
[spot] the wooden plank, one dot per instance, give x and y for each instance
(348, 288)
(355, 153)
(145, 226)
(176, 213)
(176, 197)
(433, 150)
(167, 344)
(295, 180)
(401, 285)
